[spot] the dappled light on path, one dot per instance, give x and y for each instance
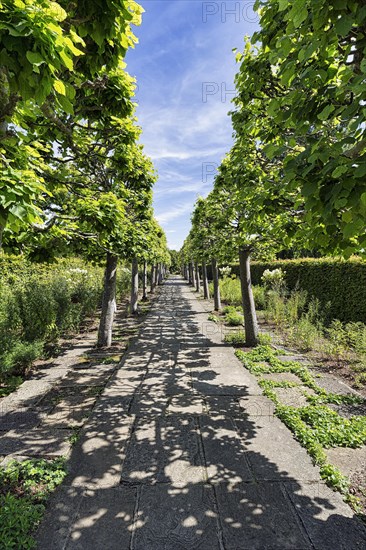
(182, 451)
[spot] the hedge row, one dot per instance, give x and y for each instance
(340, 286)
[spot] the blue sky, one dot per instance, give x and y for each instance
(185, 67)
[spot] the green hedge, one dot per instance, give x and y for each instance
(339, 285)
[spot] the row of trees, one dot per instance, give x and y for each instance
(294, 178)
(74, 178)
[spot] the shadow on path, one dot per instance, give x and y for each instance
(183, 452)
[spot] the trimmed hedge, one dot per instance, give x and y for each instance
(340, 286)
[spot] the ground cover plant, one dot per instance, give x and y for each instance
(24, 488)
(316, 425)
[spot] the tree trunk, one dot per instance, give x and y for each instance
(134, 286)
(193, 283)
(186, 276)
(161, 274)
(156, 279)
(250, 316)
(144, 282)
(190, 273)
(152, 278)
(108, 302)
(198, 282)
(206, 292)
(215, 277)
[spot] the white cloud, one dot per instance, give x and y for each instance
(173, 213)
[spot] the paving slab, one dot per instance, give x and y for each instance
(259, 516)
(36, 442)
(184, 519)
(296, 358)
(60, 515)
(98, 455)
(272, 452)
(187, 404)
(149, 404)
(164, 450)
(334, 385)
(223, 405)
(80, 520)
(328, 520)
(253, 407)
(85, 378)
(224, 452)
(103, 520)
(293, 397)
(21, 418)
(349, 410)
(69, 396)
(29, 393)
(64, 416)
(348, 460)
(219, 380)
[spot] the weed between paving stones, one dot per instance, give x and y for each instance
(316, 426)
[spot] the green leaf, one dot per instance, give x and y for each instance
(343, 25)
(347, 216)
(298, 13)
(324, 114)
(309, 188)
(67, 61)
(59, 87)
(282, 5)
(342, 169)
(360, 170)
(66, 104)
(35, 58)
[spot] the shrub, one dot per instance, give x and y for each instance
(276, 308)
(340, 286)
(123, 282)
(304, 335)
(228, 309)
(296, 305)
(230, 291)
(38, 303)
(234, 319)
(264, 339)
(259, 295)
(20, 357)
(225, 271)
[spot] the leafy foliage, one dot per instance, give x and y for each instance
(38, 303)
(24, 487)
(300, 96)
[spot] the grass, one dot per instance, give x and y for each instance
(24, 488)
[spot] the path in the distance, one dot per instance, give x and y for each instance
(183, 452)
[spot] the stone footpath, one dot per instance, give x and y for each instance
(182, 451)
